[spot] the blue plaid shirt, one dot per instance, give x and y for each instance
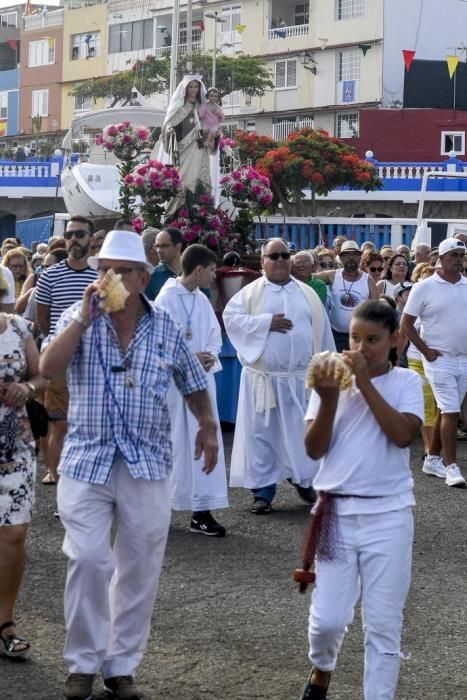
(134, 420)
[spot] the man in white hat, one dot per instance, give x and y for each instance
(349, 286)
(117, 459)
(438, 302)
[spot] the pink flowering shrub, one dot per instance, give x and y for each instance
(154, 182)
(203, 223)
(247, 185)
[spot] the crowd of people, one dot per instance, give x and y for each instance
(134, 429)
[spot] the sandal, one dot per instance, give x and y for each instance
(11, 641)
(48, 479)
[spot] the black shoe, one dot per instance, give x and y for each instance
(307, 494)
(78, 686)
(261, 507)
(204, 524)
(122, 688)
(314, 692)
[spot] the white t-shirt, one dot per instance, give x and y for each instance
(361, 460)
(8, 275)
(440, 305)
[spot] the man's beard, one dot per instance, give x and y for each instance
(351, 266)
(78, 252)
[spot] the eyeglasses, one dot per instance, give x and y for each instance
(79, 233)
(376, 269)
(327, 266)
(276, 256)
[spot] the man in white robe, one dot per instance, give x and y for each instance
(192, 489)
(276, 324)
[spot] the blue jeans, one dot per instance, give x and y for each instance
(267, 493)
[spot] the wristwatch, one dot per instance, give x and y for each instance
(79, 318)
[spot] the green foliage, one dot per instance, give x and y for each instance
(248, 74)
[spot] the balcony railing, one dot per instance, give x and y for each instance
(44, 19)
(289, 32)
(182, 48)
(30, 173)
(283, 129)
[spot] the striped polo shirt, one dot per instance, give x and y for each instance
(60, 286)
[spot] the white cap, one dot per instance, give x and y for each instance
(450, 244)
(121, 245)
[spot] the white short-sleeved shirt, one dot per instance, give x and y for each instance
(439, 305)
(9, 298)
(361, 460)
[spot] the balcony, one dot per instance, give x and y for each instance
(281, 130)
(182, 48)
(289, 32)
(288, 20)
(41, 20)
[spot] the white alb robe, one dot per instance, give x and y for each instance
(191, 488)
(269, 436)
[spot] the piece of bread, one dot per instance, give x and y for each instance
(112, 293)
(319, 358)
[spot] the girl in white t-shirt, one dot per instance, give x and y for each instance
(361, 532)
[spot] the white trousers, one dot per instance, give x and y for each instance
(110, 593)
(375, 562)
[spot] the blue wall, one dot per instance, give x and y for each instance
(9, 79)
(13, 113)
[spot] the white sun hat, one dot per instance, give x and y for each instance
(121, 245)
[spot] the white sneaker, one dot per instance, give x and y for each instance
(434, 465)
(454, 476)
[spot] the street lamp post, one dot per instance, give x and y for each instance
(217, 19)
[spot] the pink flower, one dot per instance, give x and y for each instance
(203, 211)
(238, 187)
(110, 130)
(212, 240)
(205, 198)
(183, 212)
(215, 223)
(142, 133)
(266, 199)
(250, 174)
(236, 175)
(188, 236)
(108, 145)
(139, 181)
(121, 127)
(126, 138)
(256, 189)
(142, 169)
(196, 229)
(128, 180)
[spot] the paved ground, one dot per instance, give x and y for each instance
(228, 623)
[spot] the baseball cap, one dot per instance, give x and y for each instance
(402, 287)
(350, 246)
(450, 244)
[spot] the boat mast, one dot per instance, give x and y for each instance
(174, 52)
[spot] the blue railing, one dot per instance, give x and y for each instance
(309, 235)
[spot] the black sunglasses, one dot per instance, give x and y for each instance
(327, 266)
(276, 256)
(376, 269)
(80, 233)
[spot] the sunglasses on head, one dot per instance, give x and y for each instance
(376, 269)
(276, 256)
(80, 233)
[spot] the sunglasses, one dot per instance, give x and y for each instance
(386, 258)
(276, 256)
(376, 269)
(80, 233)
(327, 266)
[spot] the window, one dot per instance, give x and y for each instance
(183, 34)
(231, 16)
(40, 103)
(85, 45)
(131, 36)
(82, 104)
(9, 19)
(453, 141)
(250, 127)
(286, 73)
(3, 105)
(349, 9)
(302, 13)
(348, 125)
(42, 52)
(348, 65)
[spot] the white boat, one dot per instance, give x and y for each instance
(91, 188)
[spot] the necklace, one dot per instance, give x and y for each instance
(126, 359)
(188, 314)
(347, 299)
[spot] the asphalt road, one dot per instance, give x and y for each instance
(228, 623)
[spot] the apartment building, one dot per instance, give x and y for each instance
(10, 18)
(41, 58)
(85, 40)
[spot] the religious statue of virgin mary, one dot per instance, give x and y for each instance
(181, 139)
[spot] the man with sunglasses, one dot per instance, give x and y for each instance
(58, 288)
(275, 323)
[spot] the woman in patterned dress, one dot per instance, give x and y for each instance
(19, 382)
